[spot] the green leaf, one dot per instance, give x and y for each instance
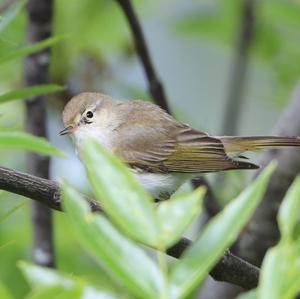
(57, 292)
(248, 295)
(27, 92)
(176, 214)
(123, 199)
(27, 50)
(24, 141)
(220, 233)
(280, 274)
(9, 212)
(127, 263)
(4, 293)
(47, 282)
(38, 276)
(289, 211)
(11, 13)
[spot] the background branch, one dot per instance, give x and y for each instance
(262, 231)
(230, 268)
(36, 72)
(239, 68)
(155, 86)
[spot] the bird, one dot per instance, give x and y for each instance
(162, 152)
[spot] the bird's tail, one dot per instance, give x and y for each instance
(236, 145)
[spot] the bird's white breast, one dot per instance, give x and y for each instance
(161, 185)
(104, 137)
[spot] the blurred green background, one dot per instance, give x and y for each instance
(192, 44)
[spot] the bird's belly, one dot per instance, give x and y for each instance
(161, 186)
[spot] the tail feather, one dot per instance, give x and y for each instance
(236, 145)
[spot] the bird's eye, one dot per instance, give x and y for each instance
(89, 114)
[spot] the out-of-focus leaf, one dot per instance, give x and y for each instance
(274, 40)
(27, 50)
(9, 212)
(47, 282)
(176, 214)
(280, 274)
(38, 276)
(128, 263)
(24, 141)
(92, 293)
(11, 13)
(289, 212)
(213, 20)
(248, 295)
(123, 199)
(23, 93)
(220, 232)
(57, 292)
(4, 293)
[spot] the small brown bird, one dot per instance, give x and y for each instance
(162, 152)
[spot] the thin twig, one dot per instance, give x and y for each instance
(155, 86)
(230, 268)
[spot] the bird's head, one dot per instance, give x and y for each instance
(85, 111)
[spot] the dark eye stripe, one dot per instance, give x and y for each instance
(86, 121)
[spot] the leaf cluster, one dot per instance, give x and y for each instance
(116, 240)
(280, 274)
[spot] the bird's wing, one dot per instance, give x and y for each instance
(145, 146)
(198, 152)
(164, 145)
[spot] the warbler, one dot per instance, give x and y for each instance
(162, 152)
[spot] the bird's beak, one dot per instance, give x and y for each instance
(67, 130)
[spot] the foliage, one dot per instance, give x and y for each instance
(29, 92)
(11, 139)
(97, 30)
(276, 33)
(115, 244)
(50, 284)
(280, 277)
(11, 13)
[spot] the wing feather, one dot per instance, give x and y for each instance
(164, 145)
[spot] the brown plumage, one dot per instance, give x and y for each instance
(150, 140)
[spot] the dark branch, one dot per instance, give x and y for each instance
(211, 203)
(230, 268)
(262, 231)
(36, 72)
(155, 86)
(239, 68)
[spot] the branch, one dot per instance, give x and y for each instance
(262, 231)
(155, 86)
(36, 72)
(239, 68)
(230, 268)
